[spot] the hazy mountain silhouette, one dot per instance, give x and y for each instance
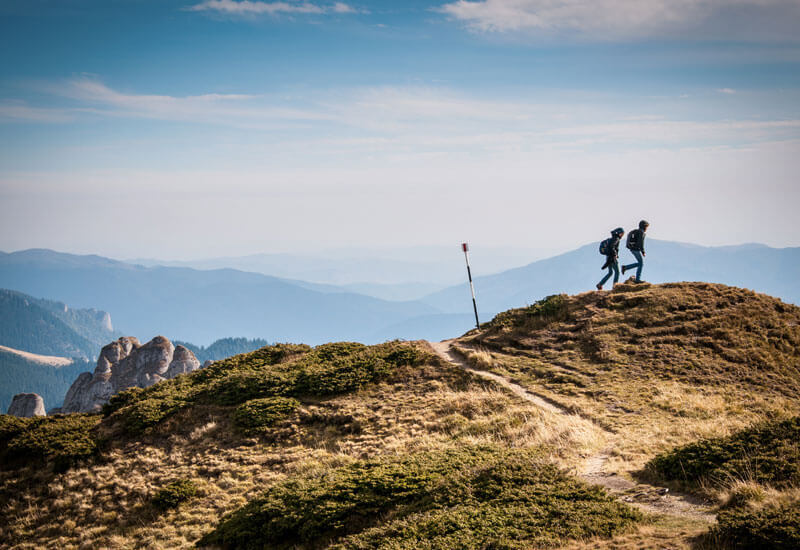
(200, 306)
(772, 271)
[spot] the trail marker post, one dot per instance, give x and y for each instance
(465, 248)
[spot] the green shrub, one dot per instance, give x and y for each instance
(10, 426)
(768, 452)
(257, 414)
(542, 313)
(461, 498)
(64, 440)
(283, 370)
(174, 493)
(768, 528)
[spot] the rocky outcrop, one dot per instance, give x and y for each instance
(27, 405)
(127, 364)
(183, 362)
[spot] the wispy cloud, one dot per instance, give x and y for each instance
(729, 91)
(413, 119)
(632, 19)
(248, 7)
(13, 110)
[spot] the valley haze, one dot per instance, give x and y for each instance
(200, 306)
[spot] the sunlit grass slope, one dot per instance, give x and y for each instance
(162, 466)
(661, 364)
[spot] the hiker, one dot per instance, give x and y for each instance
(610, 248)
(635, 244)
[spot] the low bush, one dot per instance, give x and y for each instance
(258, 414)
(64, 440)
(542, 313)
(769, 528)
(283, 370)
(768, 453)
(481, 497)
(173, 494)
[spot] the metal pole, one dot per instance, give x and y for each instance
(465, 248)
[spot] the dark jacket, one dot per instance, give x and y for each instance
(613, 251)
(639, 245)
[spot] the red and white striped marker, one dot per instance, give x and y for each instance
(465, 248)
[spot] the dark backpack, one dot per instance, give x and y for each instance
(634, 241)
(605, 247)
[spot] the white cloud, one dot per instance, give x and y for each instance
(248, 7)
(632, 19)
(728, 91)
(417, 120)
(11, 110)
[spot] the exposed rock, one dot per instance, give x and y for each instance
(207, 363)
(127, 364)
(27, 405)
(183, 361)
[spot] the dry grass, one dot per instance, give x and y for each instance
(658, 365)
(106, 504)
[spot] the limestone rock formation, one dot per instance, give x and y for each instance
(27, 405)
(183, 361)
(127, 364)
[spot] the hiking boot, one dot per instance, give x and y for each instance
(624, 268)
(599, 287)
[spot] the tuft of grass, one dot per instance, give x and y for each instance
(768, 453)
(256, 415)
(469, 497)
(173, 494)
(62, 440)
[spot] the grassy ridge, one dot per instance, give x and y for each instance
(472, 497)
(282, 370)
(260, 383)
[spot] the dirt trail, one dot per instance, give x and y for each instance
(650, 498)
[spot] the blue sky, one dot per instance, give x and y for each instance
(183, 129)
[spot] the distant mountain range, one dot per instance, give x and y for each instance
(395, 274)
(774, 271)
(200, 306)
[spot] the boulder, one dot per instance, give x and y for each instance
(125, 364)
(27, 405)
(183, 362)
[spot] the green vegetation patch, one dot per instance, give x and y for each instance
(475, 497)
(283, 370)
(65, 440)
(174, 493)
(257, 414)
(548, 310)
(769, 528)
(768, 452)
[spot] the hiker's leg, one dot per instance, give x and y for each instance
(604, 279)
(615, 267)
(639, 265)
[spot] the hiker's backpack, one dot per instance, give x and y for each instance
(634, 240)
(605, 247)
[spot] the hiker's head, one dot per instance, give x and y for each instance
(618, 232)
(643, 225)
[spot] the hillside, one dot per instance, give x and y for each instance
(199, 306)
(772, 271)
(52, 328)
(546, 437)
(21, 374)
